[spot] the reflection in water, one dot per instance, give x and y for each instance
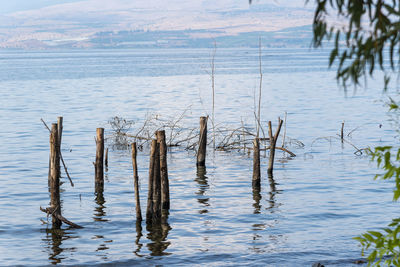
(55, 237)
(158, 233)
(99, 216)
(272, 192)
(99, 212)
(259, 237)
(138, 236)
(202, 180)
(257, 198)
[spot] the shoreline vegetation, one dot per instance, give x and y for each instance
(296, 37)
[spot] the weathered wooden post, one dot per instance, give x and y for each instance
(136, 183)
(99, 164)
(149, 210)
(59, 137)
(256, 163)
(342, 133)
(55, 203)
(201, 153)
(157, 186)
(272, 140)
(54, 182)
(59, 128)
(165, 204)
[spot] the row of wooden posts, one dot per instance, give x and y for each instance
(158, 198)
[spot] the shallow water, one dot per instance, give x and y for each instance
(317, 202)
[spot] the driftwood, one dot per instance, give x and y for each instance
(226, 138)
(50, 211)
(358, 152)
(283, 149)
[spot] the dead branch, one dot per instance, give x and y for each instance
(45, 124)
(281, 148)
(51, 211)
(66, 171)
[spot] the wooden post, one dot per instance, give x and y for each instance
(165, 204)
(256, 163)
(341, 132)
(59, 129)
(55, 203)
(59, 137)
(99, 164)
(156, 186)
(149, 210)
(136, 183)
(272, 140)
(201, 153)
(106, 159)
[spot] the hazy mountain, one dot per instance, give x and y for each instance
(77, 23)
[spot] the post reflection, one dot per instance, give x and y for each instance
(55, 238)
(257, 198)
(158, 233)
(272, 193)
(202, 181)
(262, 241)
(139, 234)
(99, 210)
(99, 215)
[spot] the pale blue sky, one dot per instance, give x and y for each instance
(9, 6)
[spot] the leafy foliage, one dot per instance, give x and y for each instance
(368, 28)
(366, 35)
(385, 244)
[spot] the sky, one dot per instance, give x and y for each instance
(10, 6)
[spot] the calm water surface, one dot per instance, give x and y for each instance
(317, 202)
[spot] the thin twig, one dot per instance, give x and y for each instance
(45, 125)
(66, 171)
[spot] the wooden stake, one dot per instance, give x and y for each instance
(59, 137)
(201, 153)
(55, 203)
(156, 186)
(272, 140)
(149, 210)
(165, 204)
(341, 132)
(136, 183)
(256, 163)
(99, 164)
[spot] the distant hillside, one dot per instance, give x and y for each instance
(290, 37)
(173, 23)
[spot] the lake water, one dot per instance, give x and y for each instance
(319, 201)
